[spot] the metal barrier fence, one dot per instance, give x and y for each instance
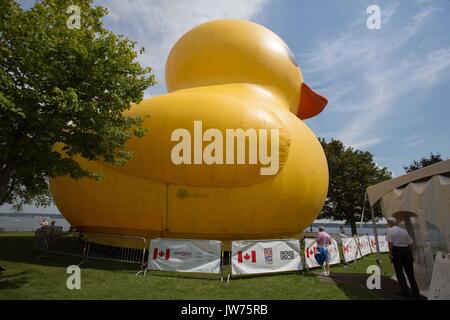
(131, 249)
(92, 246)
(51, 241)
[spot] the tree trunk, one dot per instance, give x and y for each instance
(353, 225)
(5, 177)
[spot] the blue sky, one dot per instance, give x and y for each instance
(388, 89)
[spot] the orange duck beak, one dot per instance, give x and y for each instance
(311, 103)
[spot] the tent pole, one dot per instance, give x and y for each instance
(375, 233)
(362, 214)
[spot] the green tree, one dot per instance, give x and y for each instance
(423, 162)
(62, 83)
(351, 172)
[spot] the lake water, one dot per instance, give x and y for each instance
(334, 228)
(31, 222)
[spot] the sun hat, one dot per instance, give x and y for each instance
(392, 220)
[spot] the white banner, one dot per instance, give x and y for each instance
(311, 249)
(381, 242)
(350, 249)
(364, 245)
(185, 255)
(440, 281)
(263, 256)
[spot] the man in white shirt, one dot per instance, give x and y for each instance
(400, 253)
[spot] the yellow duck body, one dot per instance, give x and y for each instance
(228, 74)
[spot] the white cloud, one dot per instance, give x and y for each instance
(413, 141)
(434, 68)
(157, 24)
(366, 142)
(382, 72)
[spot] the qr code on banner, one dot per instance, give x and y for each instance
(287, 255)
(268, 255)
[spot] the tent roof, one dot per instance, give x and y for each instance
(377, 191)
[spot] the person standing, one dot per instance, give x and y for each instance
(323, 241)
(342, 232)
(400, 253)
(44, 223)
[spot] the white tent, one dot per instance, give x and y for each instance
(421, 201)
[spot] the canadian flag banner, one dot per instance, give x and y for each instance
(202, 256)
(161, 254)
(350, 248)
(381, 242)
(247, 256)
(265, 256)
(364, 245)
(311, 250)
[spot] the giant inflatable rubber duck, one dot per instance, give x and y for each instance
(221, 76)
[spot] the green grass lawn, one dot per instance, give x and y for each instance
(26, 278)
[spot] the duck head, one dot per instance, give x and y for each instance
(238, 51)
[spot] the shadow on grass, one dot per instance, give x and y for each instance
(354, 286)
(356, 291)
(13, 281)
(388, 287)
(20, 249)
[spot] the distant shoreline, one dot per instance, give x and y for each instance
(26, 214)
(60, 216)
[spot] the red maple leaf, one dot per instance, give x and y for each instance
(161, 253)
(247, 256)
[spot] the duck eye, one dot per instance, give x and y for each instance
(291, 56)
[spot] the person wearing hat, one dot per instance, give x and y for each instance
(323, 241)
(400, 253)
